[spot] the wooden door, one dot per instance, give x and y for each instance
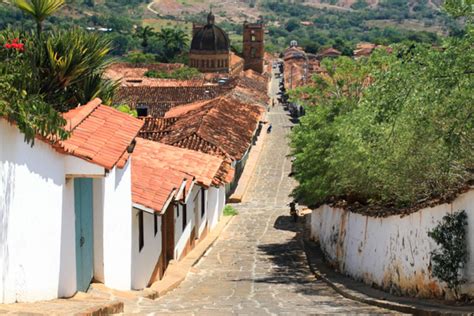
(167, 236)
(84, 232)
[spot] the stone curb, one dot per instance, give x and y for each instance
(57, 308)
(338, 282)
(252, 162)
(254, 157)
(109, 309)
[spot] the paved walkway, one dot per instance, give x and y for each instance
(258, 265)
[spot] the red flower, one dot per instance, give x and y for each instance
(15, 45)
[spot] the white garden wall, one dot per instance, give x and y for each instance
(391, 252)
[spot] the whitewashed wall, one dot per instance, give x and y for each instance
(117, 228)
(144, 261)
(222, 202)
(98, 221)
(213, 207)
(67, 269)
(392, 252)
(202, 218)
(31, 217)
(181, 236)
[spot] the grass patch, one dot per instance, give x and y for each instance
(230, 211)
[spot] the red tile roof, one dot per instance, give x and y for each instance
(223, 126)
(160, 99)
(99, 134)
(153, 185)
(208, 170)
(329, 52)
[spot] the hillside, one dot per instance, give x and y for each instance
(349, 4)
(313, 23)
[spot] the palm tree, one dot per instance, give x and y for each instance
(174, 41)
(144, 33)
(39, 9)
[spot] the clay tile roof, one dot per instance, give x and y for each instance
(118, 71)
(156, 128)
(159, 99)
(99, 134)
(185, 108)
(206, 169)
(329, 52)
(152, 184)
(234, 59)
(224, 126)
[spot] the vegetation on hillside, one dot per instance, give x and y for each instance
(344, 29)
(123, 23)
(393, 130)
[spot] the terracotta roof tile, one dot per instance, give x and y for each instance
(99, 134)
(153, 183)
(223, 127)
(206, 169)
(160, 99)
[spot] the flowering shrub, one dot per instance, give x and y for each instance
(15, 44)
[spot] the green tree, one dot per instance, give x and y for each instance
(39, 10)
(144, 33)
(393, 129)
(172, 42)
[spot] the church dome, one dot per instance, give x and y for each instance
(210, 37)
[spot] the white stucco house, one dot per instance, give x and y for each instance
(65, 206)
(178, 196)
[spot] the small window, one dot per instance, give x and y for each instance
(142, 110)
(177, 210)
(203, 203)
(254, 38)
(141, 237)
(156, 223)
(185, 216)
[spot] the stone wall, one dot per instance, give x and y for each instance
(391, 252)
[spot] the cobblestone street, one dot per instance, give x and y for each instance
(258, 265)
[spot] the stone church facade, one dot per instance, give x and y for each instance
(210, 48)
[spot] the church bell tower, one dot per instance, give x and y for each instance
(254, 46)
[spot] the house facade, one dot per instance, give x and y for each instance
(178, 197)
(60, 204)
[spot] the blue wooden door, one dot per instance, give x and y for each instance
(84, 233)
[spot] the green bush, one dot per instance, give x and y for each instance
(230, 211)
(394, 129)
(450, 259)
(183, 73)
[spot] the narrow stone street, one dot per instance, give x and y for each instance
(258, 265)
